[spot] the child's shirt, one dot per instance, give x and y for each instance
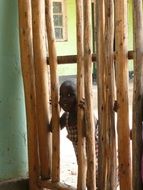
(71, 130)
(73, 134)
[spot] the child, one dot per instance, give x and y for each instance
(68, 102)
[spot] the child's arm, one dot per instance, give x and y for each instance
(62, 122)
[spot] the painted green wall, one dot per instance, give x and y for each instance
(13, 143)
(70, 44)
(68, 47)
(130, 25)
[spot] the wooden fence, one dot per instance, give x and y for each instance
(35, 17)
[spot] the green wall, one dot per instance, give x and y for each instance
(13, 143)
(68, 47)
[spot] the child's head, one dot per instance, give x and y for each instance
(68, 96)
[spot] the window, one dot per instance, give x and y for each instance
(59, 18)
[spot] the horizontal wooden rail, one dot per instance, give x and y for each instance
(59, 186)
(67, 59)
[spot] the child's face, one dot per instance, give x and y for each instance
(68, 97)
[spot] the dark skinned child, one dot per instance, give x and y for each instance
(68, 102)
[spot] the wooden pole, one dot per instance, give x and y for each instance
(26, 49)
(56, 186)
(137, 94)
(65, 59)
(80, 92)
(90, 132)
(122, 94)
(41, 77)
(109, 132)
(54, 93)
(101, 80)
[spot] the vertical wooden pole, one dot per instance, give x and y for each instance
(25, 29)
(137, 94)
(105, 61)
(110, 137)
(90, 132)
(41, 76)
(80, 92)
(93, 17)
(54, 92)
(101, 80)
(122, 94)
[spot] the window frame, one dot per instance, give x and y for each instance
(64, 27)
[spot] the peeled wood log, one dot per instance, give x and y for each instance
(81, 184)
(41, 80)
(57, 186)
(122, 95)
(137, 95)
(65, 59)
(101, 73)
(109, 129)
(54, 93)
(90, 126)
(26, 50)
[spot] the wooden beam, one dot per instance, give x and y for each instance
(58, 186)
(41, 80)
(69, 59)
(26, 50)
(137, 94)
(89, 115)
(123, 130)
(109, 157)
(100, 48)
(54, 93)
(81, 181)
